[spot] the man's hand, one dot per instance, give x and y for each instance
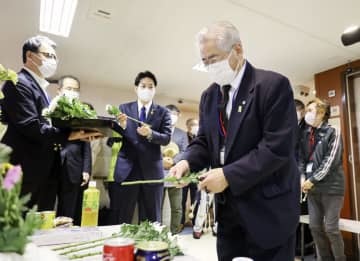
(85, 178)
(85, 136)
(306, 186)
(167, 162)
(214, 181)
(122, 119)
(144, 131)
(179, 169)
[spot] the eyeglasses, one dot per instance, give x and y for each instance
(49, 55)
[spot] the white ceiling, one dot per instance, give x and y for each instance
(295, 38)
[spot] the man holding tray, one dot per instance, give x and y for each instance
(36, 144)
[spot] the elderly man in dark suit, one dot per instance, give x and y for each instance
(75, 162)
(35, 143)
(247, 136)
(140, 155)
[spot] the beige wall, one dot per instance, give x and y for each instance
(99, 97)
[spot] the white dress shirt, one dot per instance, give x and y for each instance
(234, 89)
(41, 81)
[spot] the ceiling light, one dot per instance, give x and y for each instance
(351, 35)
(56, 16)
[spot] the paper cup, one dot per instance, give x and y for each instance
(47, 218)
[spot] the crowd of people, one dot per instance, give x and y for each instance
(256, 155)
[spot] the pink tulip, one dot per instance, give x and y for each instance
(12, 177)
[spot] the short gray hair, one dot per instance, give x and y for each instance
(224, 33)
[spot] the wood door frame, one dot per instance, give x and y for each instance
(348, 77)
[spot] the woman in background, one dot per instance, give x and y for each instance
(321, 168)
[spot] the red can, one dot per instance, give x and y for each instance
(118, 249)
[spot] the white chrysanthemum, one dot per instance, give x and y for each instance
(108, 107)
(53, 103)
(45, 112)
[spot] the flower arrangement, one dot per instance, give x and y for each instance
(66, 108)
(7, 74)
(145, 231)
(14, 228)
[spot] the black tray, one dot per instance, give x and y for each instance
(105, 125)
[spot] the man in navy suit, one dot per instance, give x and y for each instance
(75, 162)
(247, 136)
(35, 143)
(140, 155)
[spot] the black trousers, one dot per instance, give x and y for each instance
(233, 240)
(123, 200)
(43, 191)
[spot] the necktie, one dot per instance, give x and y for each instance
(311, 142)
(142, 114)
(225, 99)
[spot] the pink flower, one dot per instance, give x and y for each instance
(12, 177)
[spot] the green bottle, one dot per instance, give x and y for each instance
(90, 206)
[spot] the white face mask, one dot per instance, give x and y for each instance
(145, 94)
(47, 68)
(221, 72)
(194, 130)
(174, 119)
(310, 118)
(71, 94)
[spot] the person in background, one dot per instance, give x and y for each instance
(140, 154)
(105, 152)
(321, 166)
(300, 112)
(247, 134)
(178, 138)
(308, 241)
(203, 216)
(192, 126)
(75, 162)
(35, 142)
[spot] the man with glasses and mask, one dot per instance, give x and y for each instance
(247, 137)
(35, 143)
(140, 155)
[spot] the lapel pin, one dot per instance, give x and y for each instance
(240, 108)
(243, 102)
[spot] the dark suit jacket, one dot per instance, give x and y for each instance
(76, 159)
(260, 164)
(139, 150)
(180, 138)
(29, 134)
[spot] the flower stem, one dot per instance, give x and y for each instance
(73, 250)
(150, 181)
(84, 255)
(85, 243)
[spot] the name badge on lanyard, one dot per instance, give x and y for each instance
(222, 156)
(309, 167)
